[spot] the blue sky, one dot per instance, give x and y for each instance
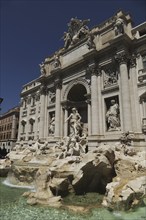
(31, 30)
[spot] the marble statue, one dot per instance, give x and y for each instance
(71, 146)
(90, 42)
(77, 29)
(42, 69)
(74, 122)
(56, 60)
(67, 40)
(52, 125)
(126, 138)
(112, 116)
(119, 26)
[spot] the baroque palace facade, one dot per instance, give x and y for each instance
(102, 73)
(9, 122)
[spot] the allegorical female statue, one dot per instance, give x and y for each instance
(52, 125)
(112, 116)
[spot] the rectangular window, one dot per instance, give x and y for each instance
(23, 128)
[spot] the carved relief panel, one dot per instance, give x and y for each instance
(110, 75)
(51, 96)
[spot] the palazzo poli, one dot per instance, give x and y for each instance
(98, 79)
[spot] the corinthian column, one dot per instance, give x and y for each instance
(100, 121)
(42, 111)
(134, 96)
(124, 92)
(58, 109)
(94, 100)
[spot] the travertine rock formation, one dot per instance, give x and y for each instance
(117, 171)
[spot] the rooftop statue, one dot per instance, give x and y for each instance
(77, 29)
(119, 26)
(56, 60)
(42, 68)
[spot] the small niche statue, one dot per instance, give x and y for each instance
(112, 116)
(52, 125)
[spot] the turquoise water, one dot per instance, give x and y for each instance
(13, 207)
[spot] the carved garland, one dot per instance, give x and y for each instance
(81, 81)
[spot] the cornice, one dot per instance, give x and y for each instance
(27, 92)
(113, 88)
(122, 40)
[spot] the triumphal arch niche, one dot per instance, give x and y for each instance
(88, 87)
(76, 96)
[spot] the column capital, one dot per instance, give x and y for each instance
(43, 90)
(121, 58)
(37, 96)
(132, 60)
(58, 83)
(93, 69)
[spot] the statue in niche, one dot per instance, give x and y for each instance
(74, 122)
(42, 68)
(119, 26)
(56, 60)
(77, 29)
(52, 97)
(112, 116)
(52, 125)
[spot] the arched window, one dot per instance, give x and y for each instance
(31, 121)
(23, 123)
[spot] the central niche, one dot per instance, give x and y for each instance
(77, 93)
(77, 98)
